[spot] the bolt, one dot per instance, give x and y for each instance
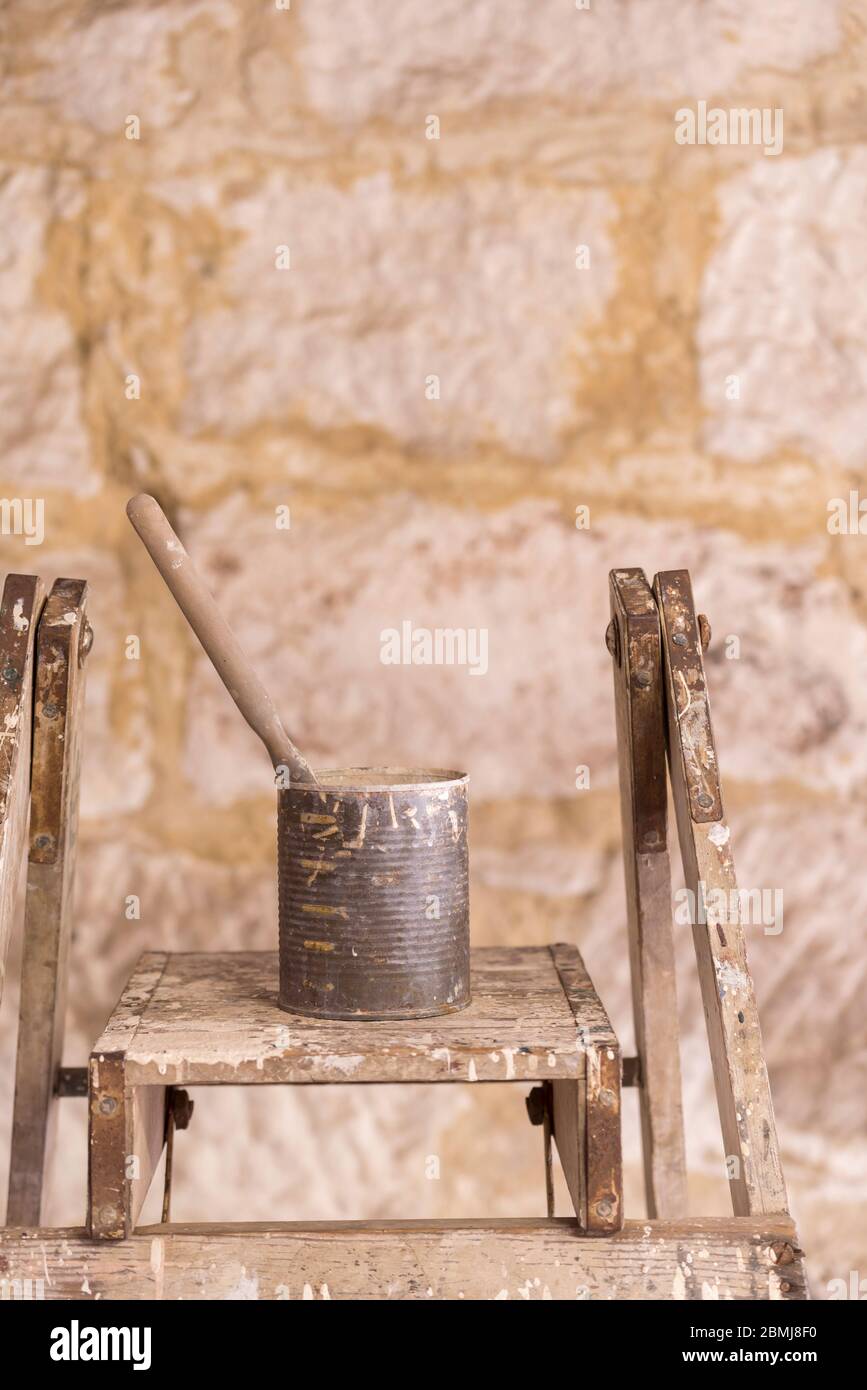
(108, 1216)
(704, 801)
(607, 1096)
(785, 1286)
(704, 631)
(10, 675)
(679, 639)
(604, 1209)
(651, 837)
(107, 1105)
(612, 640)
(643, 678)
(49, 710)
(782, 1253)
(43, 842)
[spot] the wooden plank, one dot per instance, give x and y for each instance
(146, 1107)
(567, 1131)
(23, 596)
(62, 641)
(640, 712)
(740, 1075)
(126, 1124)
(521, 1260)
(213, 1019)
(600, 1155)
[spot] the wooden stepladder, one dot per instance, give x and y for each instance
(656, 641)
(207, 1019)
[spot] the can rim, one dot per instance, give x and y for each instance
(382, 779)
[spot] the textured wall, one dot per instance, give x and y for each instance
(607, 386)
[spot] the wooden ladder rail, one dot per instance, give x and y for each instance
(20, 607)
(737, 1054)
(63, 639)
(633, 638)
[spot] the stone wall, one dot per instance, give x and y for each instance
(236, 272)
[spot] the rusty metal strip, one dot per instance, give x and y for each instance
(63, 640)
(638, 663)
(109, 1143)
(602, 1140)
(683, 646)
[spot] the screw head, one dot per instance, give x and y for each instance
(604, 1209)
(50, 710)
(679, 639)
(607, 1096)
(704, 801)
(643, 678)
(107, 1105)
(782, 1253)
(11, 675)
(612, 640)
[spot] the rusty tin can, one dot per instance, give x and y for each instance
(374, 894)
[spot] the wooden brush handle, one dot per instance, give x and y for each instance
(221, 646)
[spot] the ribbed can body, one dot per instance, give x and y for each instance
(374, 894)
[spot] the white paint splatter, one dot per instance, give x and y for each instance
(730, 977)
(245, 1291)
(344, 1065)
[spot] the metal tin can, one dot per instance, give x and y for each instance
(374, 894)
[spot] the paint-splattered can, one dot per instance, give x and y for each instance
(374, 894)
